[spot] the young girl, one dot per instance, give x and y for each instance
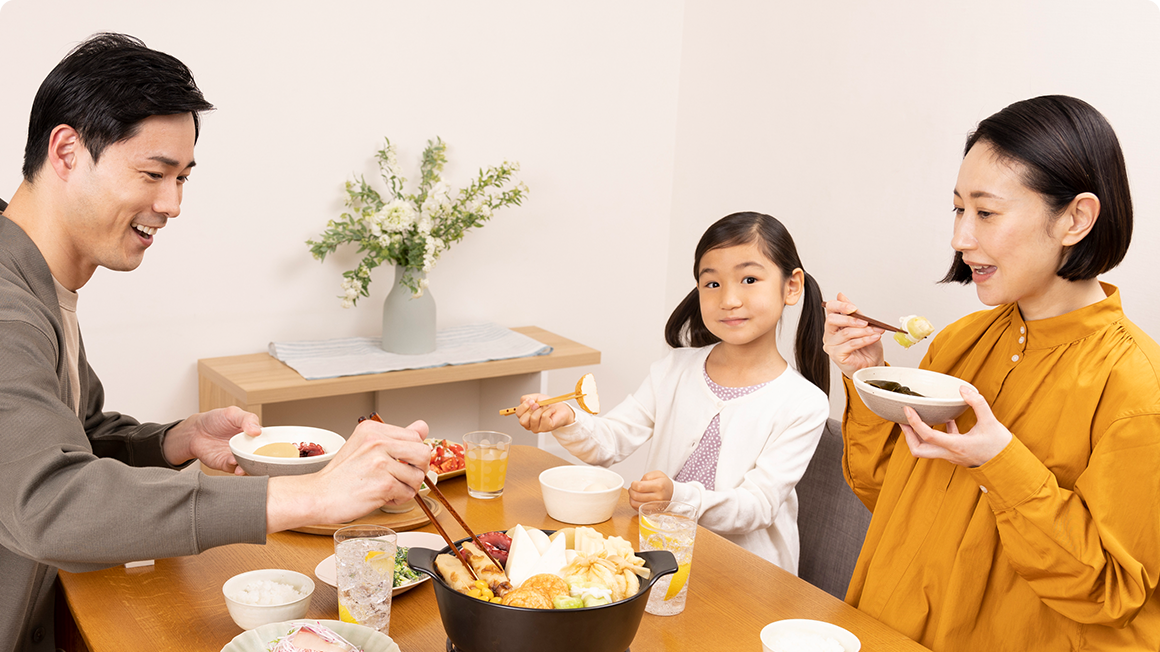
(734, 425)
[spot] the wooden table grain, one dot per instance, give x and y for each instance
(178, 603)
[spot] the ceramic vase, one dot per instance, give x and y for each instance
(408, 322)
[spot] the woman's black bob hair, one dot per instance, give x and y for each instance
(1066, 147)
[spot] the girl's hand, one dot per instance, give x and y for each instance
(543, 419)
(653, 485)
(851, 343)
(972, 448)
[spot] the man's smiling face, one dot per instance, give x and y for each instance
(120, 201)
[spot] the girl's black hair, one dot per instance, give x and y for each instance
(686, 327)
(1066, 147)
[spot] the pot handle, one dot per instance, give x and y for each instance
(423, 560)
(660, 563)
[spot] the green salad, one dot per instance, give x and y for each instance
(403, 573)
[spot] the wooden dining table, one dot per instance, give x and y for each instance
(177, 604)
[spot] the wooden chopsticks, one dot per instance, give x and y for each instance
(443, 499)
(872, 322)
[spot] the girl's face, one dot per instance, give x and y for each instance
(1007, 235)
(743, 294)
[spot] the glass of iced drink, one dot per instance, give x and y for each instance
(669, 525)
(364, 556)
(486, 454)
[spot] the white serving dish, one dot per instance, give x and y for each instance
(782, 634)
(566, 500)
(327, 572)
(258, 640)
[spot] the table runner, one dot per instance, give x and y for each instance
(353, 356)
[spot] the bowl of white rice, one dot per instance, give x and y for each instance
(802, 635)
(270, 595)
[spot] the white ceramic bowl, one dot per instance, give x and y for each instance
(794, 634)
(243, 447)
(940, 401)
(567, 499)
(249, 616)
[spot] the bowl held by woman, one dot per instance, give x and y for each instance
(935, 396)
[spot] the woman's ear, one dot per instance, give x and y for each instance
(1079, 218)
(794, 287)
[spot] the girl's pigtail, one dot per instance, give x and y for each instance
(812, 361)
(683, 325)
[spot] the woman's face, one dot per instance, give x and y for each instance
(1007, 234)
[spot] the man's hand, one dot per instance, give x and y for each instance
(380, 463)
(206, 436)
(653, 485)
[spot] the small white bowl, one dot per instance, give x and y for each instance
(781, 634)
(243, 447)
(567, 499)
(249, 616)
(940, 401)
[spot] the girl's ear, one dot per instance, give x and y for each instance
(794, 287)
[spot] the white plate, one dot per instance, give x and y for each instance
(259, 638)
(796, 628)
(326, 571)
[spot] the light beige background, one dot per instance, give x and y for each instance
(637, 124)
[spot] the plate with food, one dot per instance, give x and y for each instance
(887, 390)
(804, 635)
(285, 450)
(321, 635)
(446, 458)
(405, 578)
(408, 520)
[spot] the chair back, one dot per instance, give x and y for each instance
(832, 521)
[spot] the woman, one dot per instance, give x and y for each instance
(1033, 522)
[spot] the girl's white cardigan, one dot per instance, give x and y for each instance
(767, 439)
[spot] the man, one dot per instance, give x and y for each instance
(110, 145)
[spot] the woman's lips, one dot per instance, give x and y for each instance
(980, 273)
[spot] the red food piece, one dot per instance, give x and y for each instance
(309, 450)
(498, 544)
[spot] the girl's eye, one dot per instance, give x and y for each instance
(748, 280)
(712, 284)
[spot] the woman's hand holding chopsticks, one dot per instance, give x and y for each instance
(380, 463)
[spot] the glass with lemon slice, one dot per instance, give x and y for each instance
(672, 526)
(364, 557)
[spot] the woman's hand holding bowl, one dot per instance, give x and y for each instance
(975, 447)
(850, 342)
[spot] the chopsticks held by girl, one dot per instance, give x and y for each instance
(732, 425)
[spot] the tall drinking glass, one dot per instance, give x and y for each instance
(364, 556)
(486, 454)
(669, 525)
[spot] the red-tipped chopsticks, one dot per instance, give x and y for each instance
(443, 499)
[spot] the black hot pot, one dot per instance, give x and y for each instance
(474, 625)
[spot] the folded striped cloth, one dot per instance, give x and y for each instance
(354, 356)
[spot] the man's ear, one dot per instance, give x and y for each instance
(64, 151)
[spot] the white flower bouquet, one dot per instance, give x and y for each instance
(412, 230)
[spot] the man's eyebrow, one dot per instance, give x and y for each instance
(168, 162)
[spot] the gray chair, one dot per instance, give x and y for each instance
(3, 205)
(832, 521)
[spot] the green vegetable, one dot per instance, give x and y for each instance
(595, 601)
(403, 572)
(567, 602)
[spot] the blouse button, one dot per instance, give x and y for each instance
(1021, 339)
(1022, 329)
(982, 489)
(1015, 358)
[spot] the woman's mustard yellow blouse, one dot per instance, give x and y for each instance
(1055, 543)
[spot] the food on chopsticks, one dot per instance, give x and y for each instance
(585, 394)
(891, 386)
(446, 456)
(288, 449)
(572, 568)
(305, 637)
(916, 328)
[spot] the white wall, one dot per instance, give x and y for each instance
(583, 96)
(847, 121)
(637, 124)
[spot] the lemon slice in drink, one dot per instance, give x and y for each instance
(679, 579)
(344, 615)
(383, 563)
